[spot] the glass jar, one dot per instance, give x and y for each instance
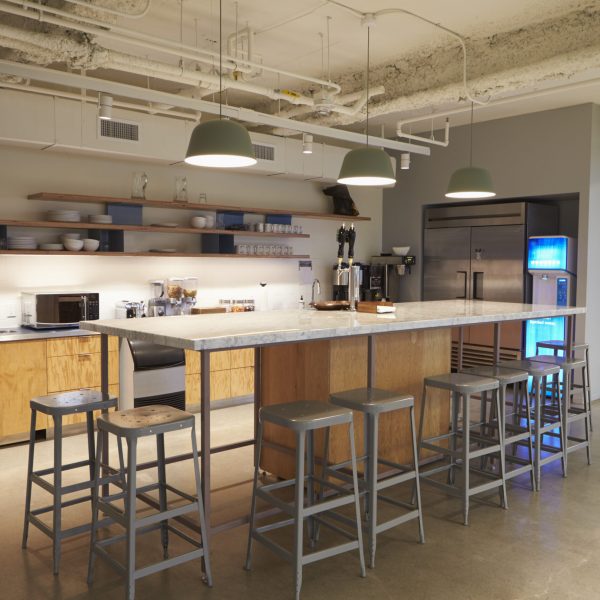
(190, 287)
(175, 288)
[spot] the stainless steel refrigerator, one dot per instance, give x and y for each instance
(479, 252)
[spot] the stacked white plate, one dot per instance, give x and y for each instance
(70, 216)
(22, 242)
(104, 219)
(51, 246)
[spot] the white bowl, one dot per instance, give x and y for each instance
(73, 245)
(70, 236)
(198, 222)
(90, 245)
(400, 250)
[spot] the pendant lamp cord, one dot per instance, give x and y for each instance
(220, 59)
(368, 73)
(471, 142)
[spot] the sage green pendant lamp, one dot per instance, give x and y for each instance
(220, 143)
(470, 182)
(367, 166)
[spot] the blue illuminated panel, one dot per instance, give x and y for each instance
(541, 330)
(547, 254)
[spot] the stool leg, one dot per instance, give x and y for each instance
(420, 438)
(588, 414)
(500, 396)
(310, 483)
(563, 409)
(95, 493)
(89, 417)
(538, 437)
(29, 481)
(361, 555)
(204, 533)
(324, 473)
(162, 492)
(56, 512)
(530, 432)
(130, 516)
(454, 407)
(371, 471)
(299, 513)
(466, 454)
(588, 385)
(257, 451)
(417, 487)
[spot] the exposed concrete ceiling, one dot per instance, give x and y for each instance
(514, 48)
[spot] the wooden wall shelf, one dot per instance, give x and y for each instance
(144, 228)
(190, 206)
(155, 254)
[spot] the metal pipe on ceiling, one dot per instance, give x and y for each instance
(72, 80)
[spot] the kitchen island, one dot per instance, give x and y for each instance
(306, 354)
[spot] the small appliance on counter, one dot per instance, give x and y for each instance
(157, 305)
(151, 374)
(128, 309)
(53, 309)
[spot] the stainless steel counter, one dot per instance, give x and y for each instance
(23, 334)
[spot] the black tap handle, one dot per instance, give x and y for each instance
(351, 234)
(342, 238)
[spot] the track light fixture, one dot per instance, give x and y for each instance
(307, 143)
(405, 161)
(105, 103)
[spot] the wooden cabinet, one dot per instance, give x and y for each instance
(231, 375)
(22, 377)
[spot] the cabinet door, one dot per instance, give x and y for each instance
(63, 373)
(242, 381)
(220, 360)
(242, 358)
(446, 263)
(22, 377)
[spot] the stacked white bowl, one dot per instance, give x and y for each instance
(21, 242)
(103, 219)
(69, 216)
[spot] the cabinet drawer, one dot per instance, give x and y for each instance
(86, 344)
(219, 361)
(80, 370)
(242, 358)
(220, 387)
(192, 362)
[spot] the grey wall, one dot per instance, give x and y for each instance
(539, 154)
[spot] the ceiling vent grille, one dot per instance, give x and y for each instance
(119, 130)
(264, 152)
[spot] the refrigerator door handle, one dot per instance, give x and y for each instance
(477, 285)
(465, 275)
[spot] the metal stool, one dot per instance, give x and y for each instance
(131, 425)
(561, 346)
(303, 418)
(372, 402)
(510, 423)
(572, 413)
(464, 386)
(546, 420)
(57, 406)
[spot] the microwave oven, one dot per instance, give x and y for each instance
(47, 310)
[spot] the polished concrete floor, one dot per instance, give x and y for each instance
(546, 546)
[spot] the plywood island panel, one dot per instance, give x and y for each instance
(314, 370)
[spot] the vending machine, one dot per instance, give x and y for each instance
(552, 262)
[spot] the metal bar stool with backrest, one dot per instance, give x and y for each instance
(516, 429)
(58, 406)
(303, 419)
(372, 403)
(463, 387)
(557, 346)
(546, 421)
(571, 412)
(132, 425)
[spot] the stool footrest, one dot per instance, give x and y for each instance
(273, 546)
(581, 443)
(551, 458)
(66, 504)
(68, 467)
(167, 514)
(168, 563)
(397, 521)
(512, 473)
(329, 552)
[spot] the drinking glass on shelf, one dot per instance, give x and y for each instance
(138, 189)
(181, 194)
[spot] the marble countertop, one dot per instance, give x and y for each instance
(238, 330)
(23, 334)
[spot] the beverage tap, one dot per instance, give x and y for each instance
(351, 237)
(348, 236)
(342, 238)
